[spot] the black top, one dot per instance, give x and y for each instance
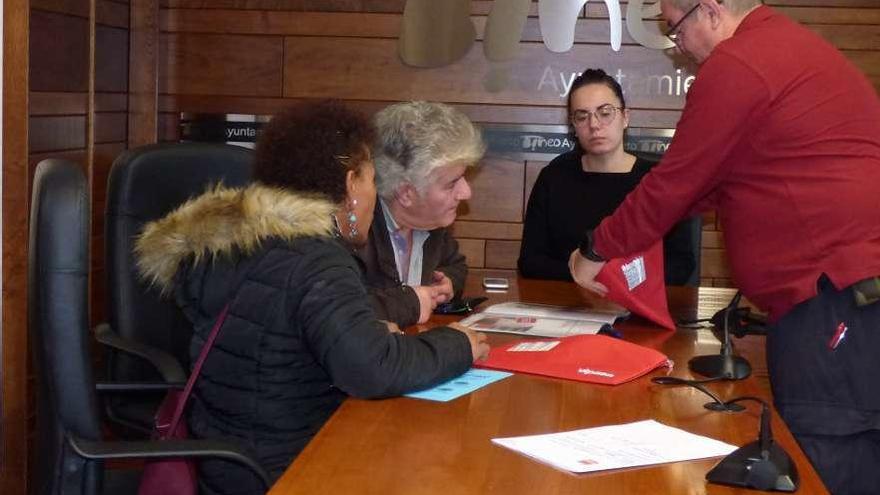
(566, 201)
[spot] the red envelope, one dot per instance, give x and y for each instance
(585, 358)
(637, 283)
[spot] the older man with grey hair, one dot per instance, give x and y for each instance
(412, 262)
(781, 136)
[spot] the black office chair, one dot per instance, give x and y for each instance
(681, 252)
(144, 185)
(69, 443)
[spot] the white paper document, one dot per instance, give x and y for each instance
(613, 447)
(541, 320)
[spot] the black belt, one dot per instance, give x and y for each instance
(867, 291)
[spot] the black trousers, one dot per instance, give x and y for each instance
(827, 393)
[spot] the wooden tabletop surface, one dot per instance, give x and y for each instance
(410, 446)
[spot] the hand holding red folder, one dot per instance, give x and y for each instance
(637, 283)
(585, 358)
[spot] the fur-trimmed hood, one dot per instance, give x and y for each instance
(222, 221)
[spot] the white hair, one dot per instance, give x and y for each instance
(736, 7)
(416, 137)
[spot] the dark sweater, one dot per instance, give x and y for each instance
(566, 201)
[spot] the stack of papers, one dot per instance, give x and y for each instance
(613, 447)
(541, 320)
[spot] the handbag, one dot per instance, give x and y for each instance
(176, 475)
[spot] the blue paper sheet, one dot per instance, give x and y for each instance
(471, 380)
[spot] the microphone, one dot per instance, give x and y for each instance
(723, 366)
(716, 405)
(761, 465)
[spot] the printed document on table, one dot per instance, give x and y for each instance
(642, 443)
(531, 326)
(541, 320)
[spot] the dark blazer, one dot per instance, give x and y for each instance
(392, 300)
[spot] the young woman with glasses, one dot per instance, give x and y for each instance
(581, 187)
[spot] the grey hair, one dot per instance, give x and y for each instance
(736, 7)
(416, 137)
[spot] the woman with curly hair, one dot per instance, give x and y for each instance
(300, 335)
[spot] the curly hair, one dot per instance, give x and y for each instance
(415, 137)
(310, 146)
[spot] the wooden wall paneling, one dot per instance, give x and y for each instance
(712, 239)
(222, 65)
(56, 133)
(111, 59)
(334, 67)
(143, 72)
(51, 103)
(110, 102)
(113, 14)
(59, 49)
(14, 407)
(169, 129)
(110, 127)
(713, 264)
(71, 7)
(487, 230)
(474, 250)
(502, 254)
(849, 36)
(827, 15)
(496, 114)
(497, 186)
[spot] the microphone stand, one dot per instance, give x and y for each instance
(762, 464)
(724, 366)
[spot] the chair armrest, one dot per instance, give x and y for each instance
(165, 449)
(164, 362)
(137, 386)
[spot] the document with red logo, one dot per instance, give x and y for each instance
(637, 283)
(614, 447)
(585, 358)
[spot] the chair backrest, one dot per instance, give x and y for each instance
(681, 251)
(145, 184)
(58, 271)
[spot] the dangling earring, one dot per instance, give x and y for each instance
(352, 220)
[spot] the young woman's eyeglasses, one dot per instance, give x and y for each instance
(674, 32)
(604, 115)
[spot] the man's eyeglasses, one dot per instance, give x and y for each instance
(673, 32)
(604, 115)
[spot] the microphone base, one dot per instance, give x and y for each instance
(728, 367)
(746, 467)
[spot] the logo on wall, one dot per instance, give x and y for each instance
(518, 142)
(437, 33)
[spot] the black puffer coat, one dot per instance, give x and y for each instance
(300, 335)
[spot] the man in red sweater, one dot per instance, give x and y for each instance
(781, 136)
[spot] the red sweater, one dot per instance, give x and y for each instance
(781, 135)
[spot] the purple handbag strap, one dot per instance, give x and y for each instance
(197, 369)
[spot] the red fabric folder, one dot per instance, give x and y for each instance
(585, 358)
(637, 283)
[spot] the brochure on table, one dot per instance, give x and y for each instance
(542, 320)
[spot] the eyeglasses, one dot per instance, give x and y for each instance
(673, 32)
(604, 115)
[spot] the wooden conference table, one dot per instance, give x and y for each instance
(410, 446)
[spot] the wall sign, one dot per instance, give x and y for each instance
(517, 142)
